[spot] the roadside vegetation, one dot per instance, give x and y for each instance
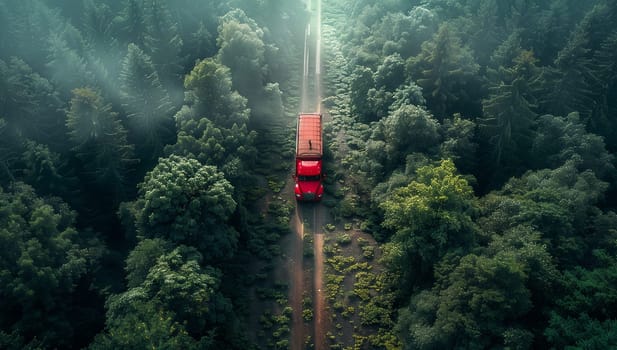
(476, 142)
(145, 149)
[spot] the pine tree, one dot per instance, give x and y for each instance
(163, 43)
(509, 112)
(132, 23)
(147, 103)
(447, 72)
(99, 141)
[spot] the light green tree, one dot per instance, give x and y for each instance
(429, 217)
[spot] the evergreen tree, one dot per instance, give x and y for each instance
(163, 44)
(29, 103)
(212, 126)
(99, 141)
(131, 23)
(242, 49)
(361, 82)
(447, 73)
(147, 103)
(605, 60)
(509, 115)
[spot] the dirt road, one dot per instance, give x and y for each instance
(307, 276)
(296, 270)
(319, 296)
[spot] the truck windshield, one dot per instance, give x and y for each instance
(309, 178)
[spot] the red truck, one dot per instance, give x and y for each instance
(309, 151)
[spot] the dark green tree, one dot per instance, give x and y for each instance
(585, 316)
(605, 60)
(447, 73)
(242, 50)
(509, 116)
(178, 303)
(131, 23)
(143, 258)
(560, 139)
(8, 155)
(572, 82)
(143, 326)
(471, 309)
(30, 104)
(163, 43)
(210, 95)
(361, 82)
(391, 89)
(67, 63)
(459, 143)
(44, 261)
(408, 129)
(44, 170)
(99, 141)
(558, 202)
(186, 202)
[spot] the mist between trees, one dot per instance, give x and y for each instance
(478, 149)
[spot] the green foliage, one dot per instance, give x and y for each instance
(189, 203)
(242, 49)
(343, 239)
(44, 261)
(409, 129)
(508, 112)
(143, 258)
(560, 139)
(29, 103)
(144, 327)
(178, 302)
(585, 316)
(99, 140)
(163, 42)
(430, 216)
(361, 82)
(472, 307)
(446, 71)
(557, 202)
(147, 103)
(212, 126)
(571, 83)
(211, 96)
(459, 143)
(43, 169)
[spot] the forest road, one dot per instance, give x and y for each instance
(319, 295)
(307, 279)
(296, 280)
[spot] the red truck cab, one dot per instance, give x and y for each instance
(309, 152)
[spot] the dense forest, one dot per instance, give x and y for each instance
(479, 149)
(127, 132)
(143, 144)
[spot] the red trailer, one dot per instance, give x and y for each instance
(309, 151)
